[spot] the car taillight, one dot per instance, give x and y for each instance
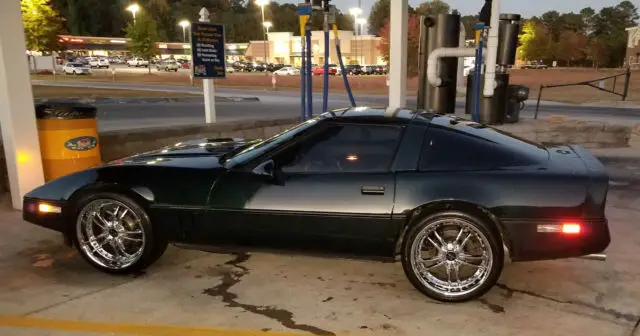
(570, 228)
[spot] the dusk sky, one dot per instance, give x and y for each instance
(525, 7)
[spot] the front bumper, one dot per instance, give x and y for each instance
(527, 244)
(51, 220)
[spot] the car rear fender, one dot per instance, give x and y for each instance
(470, 208)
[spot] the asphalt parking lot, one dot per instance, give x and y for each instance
(47, 289)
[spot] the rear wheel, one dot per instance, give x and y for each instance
(114, 234)
(452, 257)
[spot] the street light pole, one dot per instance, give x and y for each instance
(267, 25)
(184, 24)
(133, 8)
(263, 3)
(355, 12)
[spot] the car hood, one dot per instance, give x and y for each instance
(201, 153)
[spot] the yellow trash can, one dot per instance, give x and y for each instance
(68, 134)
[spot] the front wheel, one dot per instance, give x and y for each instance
(452, 257)
(114, 234)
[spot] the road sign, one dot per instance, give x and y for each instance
(207, 50)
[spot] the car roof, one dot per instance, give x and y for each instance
(379, 115)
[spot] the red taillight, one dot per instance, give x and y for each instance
(571, 228)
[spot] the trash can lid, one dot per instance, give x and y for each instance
(65, 110)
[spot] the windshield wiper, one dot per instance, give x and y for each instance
(226, 156)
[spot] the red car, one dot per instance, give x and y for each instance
(319, 70)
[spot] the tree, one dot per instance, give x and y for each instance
(143, 35)
(413, 40)
(42, 26)
(379, 15)
(535, 42)
(571, 47)
(598, 51)
(469, 23)
(433, 8)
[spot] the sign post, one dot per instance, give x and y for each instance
(207, 59)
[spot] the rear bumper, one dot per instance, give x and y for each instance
(527, 244)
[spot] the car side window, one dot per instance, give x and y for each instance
(343, 148)
(450, 150)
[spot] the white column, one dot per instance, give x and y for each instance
(17, 115)
(398, 54)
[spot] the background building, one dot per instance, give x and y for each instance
(633, 47)
(285, 48)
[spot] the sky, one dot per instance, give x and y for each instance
(527, 8)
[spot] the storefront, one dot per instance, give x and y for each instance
(114, 46)
(285, 48)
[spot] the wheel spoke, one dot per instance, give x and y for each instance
(460, 243)
(124, 247)
(435, 233)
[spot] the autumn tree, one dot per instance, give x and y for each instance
(598, 52)
(571, 47)
(413, 40)
(535, 42)
(42, 26)
(433, 8)
(144, 35)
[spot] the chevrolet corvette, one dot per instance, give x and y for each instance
(452, 200)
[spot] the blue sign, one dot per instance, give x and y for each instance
(207, 50)
(305, 9)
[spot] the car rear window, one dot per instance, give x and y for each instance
(463, 145)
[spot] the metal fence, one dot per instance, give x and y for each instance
(596, 84)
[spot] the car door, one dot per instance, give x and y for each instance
(333, 192)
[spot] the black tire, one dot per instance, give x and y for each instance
(493, 238)
(155, 243)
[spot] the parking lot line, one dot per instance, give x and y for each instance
(128, 329)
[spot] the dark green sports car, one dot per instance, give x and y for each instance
(448, 197)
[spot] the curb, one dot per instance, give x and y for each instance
(105, 100)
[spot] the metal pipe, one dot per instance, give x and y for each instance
(461, 42)
(432, 62)
(597, 257)
(492, 50)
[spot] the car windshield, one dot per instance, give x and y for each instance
(245, 154)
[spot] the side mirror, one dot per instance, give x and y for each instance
(266, 168)
(269, 170)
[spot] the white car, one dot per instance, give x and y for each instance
(98, 62)
(73, 68)
(287, 71)
(138, 62)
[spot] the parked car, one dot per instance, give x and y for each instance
(138, 62)
(99, 63)
(288, 71)
(168, 65)
(72, 68)
(319, 70)
(446, 196)
(534, 65)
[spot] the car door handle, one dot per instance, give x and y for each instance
(372, 190)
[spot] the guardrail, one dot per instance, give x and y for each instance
(592, 83)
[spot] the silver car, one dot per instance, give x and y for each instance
(168, 65)
(73, 68)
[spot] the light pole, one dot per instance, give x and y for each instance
(355, 12)
(263, 3)
(267, 25)
(133, 8)
(361, 22)
(184, 24)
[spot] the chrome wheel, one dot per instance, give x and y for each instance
(110, 234)
(451, 257)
